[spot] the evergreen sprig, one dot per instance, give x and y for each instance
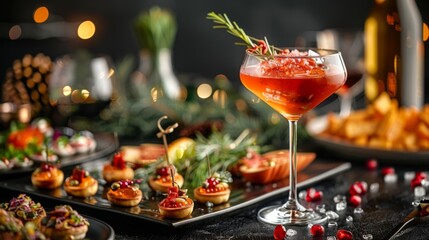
(215, 153)
(259, 46)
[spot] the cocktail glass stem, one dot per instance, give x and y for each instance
(292, 212)
(345, 104)
(292, 201)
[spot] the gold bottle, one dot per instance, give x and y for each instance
(394, 52)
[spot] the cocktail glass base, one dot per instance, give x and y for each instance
(276, 215)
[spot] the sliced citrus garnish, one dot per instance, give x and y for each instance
(181, 148)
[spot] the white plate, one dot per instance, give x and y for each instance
(318, 124)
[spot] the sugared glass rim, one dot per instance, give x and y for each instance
(323, 52)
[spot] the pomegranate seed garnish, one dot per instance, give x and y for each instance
(46, 167)
(355, 200)
(313, 195)
(78, 174)
(317, 230)
(387, 170)
(212, 182)
(344, 235)
(173, 192)
(279, 232)
(124, 184)
(118, 160)
(371, 164)
(358, 188)
(163, 171)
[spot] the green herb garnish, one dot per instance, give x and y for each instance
(258, 46)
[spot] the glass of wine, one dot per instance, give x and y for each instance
(293, 82)
(351, 45)
(81, 85)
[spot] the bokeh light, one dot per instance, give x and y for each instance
(220, 97)
(111, 72)
(275, 119)
(204, 91)
(222, 80)
(76, 97)
(67, 90)
(425, 32)
(86, 30)
(41, 14)
(15, 32)
(241, 105)
(85, 94)
(155, 94)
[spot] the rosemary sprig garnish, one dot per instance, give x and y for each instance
(258, 46)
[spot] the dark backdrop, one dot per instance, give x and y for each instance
(198, 48)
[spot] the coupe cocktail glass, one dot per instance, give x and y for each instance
(293, 82)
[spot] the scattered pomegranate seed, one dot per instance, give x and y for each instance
(358, 188)
(387, 170)
(313, 195)
(317, 230)
(355, 200)
(344, 235)
(371, 164)
(421, 174)
(418, 178)
(279, 232)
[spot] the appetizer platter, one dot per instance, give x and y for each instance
(382, 130)
(242, 194)
(191, 180)
(25, 148)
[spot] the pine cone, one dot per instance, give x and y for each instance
(27, 83)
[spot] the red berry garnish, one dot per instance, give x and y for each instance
(313, 195)
(387, 170)
(78, 174)
(46, 167)
(355, 200)
(124, 183)
(279, 232)
(173, 192)
(163, 171)
(174, 189)
(358, 188)
(260, 48)
(118, 160)
(344, 235)
(317, 230)
(371, 164)
(212, 182)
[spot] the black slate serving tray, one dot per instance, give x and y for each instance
(243, 195)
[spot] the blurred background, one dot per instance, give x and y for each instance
(197, 49)
(57, 28)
